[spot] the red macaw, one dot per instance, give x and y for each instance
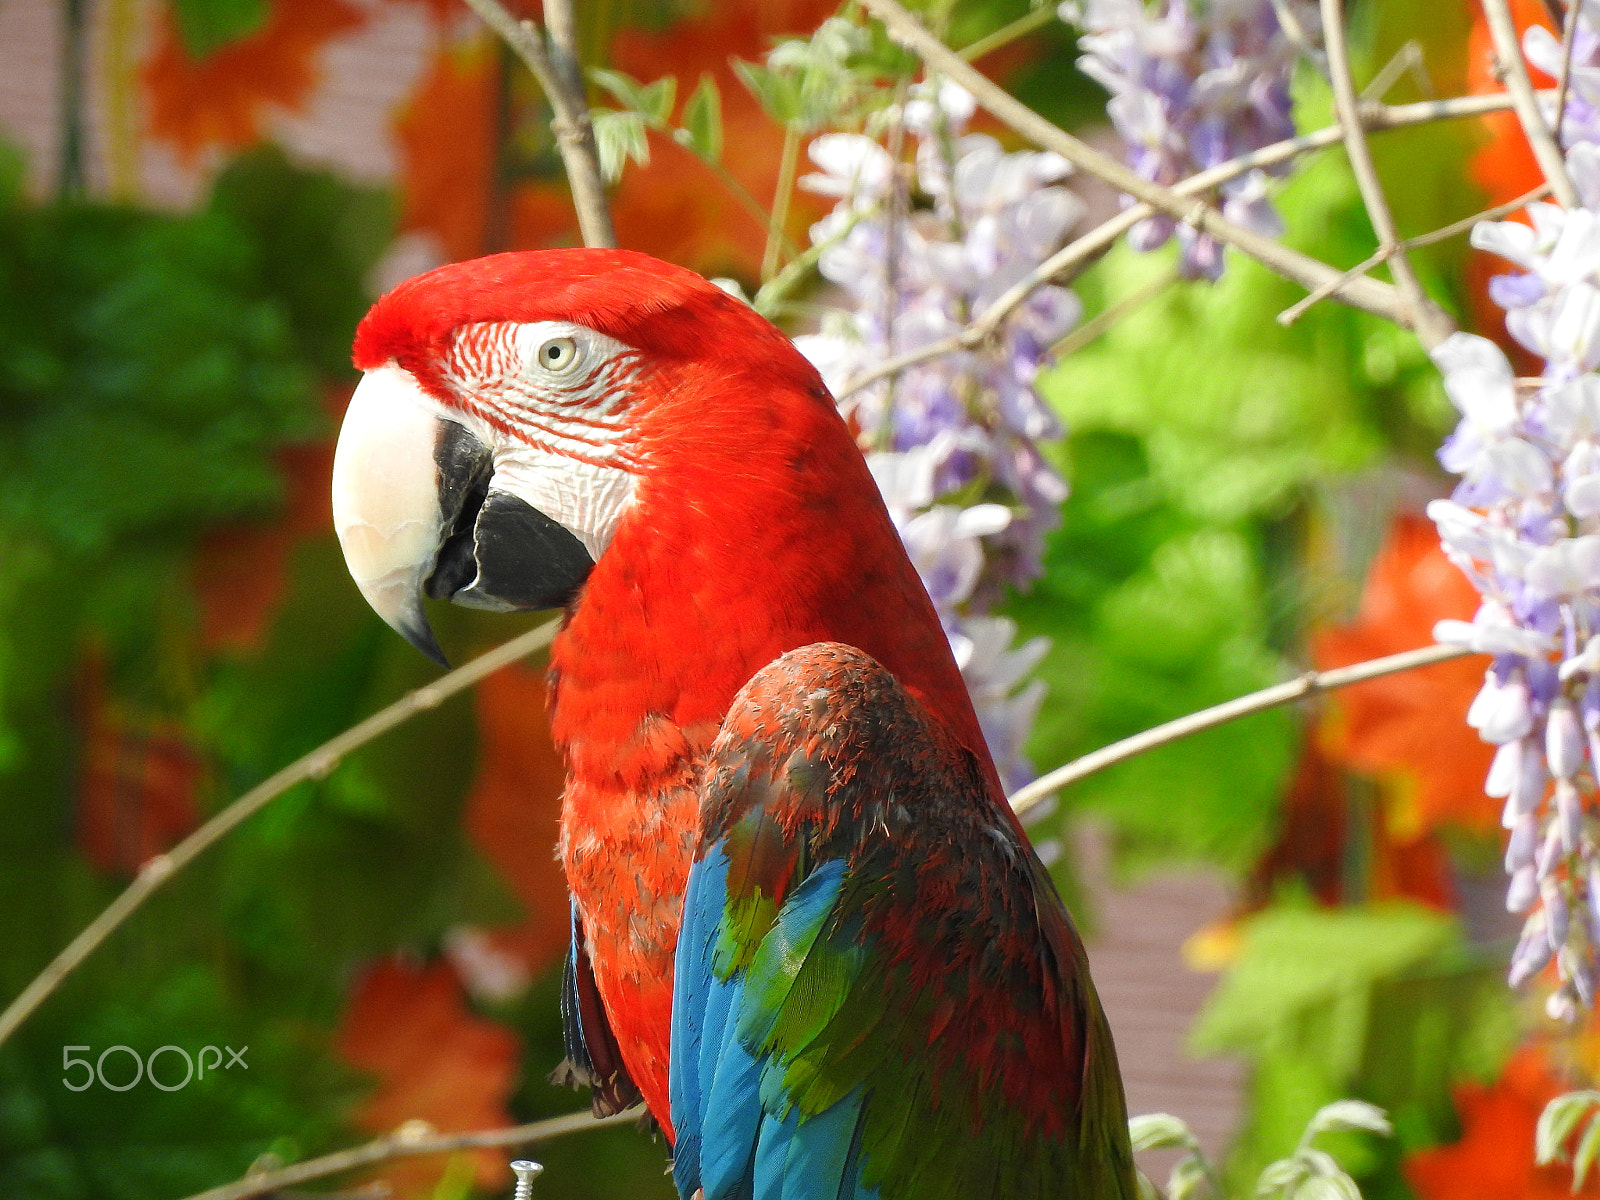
(807, 928)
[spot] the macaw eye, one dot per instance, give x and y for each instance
(557, 354)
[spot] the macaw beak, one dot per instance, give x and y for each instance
(417, 513)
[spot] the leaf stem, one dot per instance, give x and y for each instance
(788, 167)
(1312, 683)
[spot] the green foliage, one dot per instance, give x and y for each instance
(1384, 1002)
(1559, 1124)
(1202, 435)
(702, 120)
(151, 369)
(206, 26)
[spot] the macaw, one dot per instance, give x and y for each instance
(807, 929)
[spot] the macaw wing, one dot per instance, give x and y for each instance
(878, 992)
(593, 1059)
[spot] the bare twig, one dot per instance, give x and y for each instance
(1427, 318)
(1504, 32)
(1380, 299)
(1037, 19)
(315, 765)
(1289, 22)
(1309, 684)
(1297, 310)
(407, 1143)
(556, 68)
(1374, 116)
(1569, 39)
(1407, 58)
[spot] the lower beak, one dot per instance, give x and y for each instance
(417, 513)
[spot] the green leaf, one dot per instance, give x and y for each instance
(1186, 1179)
(1158, 1131)
(1296, 960)
(206, 26)
(1349, 1115)
(778, 93)
(1557, 1123)
(1583, 1158)
(618, 137)
(655, 101)
(627, 91)
(1277, 1176)
(702, 120)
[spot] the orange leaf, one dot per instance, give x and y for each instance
(514, 808)
(222, 99)
(1411, 725)
(447, 147)
(1494, 1158)
(1504, 167)
(435, 1061)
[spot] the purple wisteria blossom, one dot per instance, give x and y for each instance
(918, 252)
(1581, 122)
(1524, 524)
(1193, 84)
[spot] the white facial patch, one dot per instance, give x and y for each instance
(586, 498)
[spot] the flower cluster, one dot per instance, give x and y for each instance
(1581, 121)
(1193, 84)
(918, 252)
(1524, 524)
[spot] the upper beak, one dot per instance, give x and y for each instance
(417, 512)
(388, 499)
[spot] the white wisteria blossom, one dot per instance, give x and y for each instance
(917, 250)
(1524, 524)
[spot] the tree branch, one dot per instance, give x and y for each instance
(1310, 684)
(1378, 298)
(411, 1140)
(1504, 32)
(1374, 116)
(557, 69)
(316, 765)
(1426, 317)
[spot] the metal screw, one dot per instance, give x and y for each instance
(527, 1171)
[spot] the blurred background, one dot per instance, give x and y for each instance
(198, 199)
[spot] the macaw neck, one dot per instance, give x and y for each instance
(729, 556)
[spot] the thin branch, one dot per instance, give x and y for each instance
(1407, 58)
(1006, 34)
(1569, 39)
(316, 765)
(1114, 314)
(408, 1142)
(1426, 317)
(1310, 684)
(1509, 54)
(1297, 310)
(1289, 22)
(1378, 298)
(556, 68)
(1374, 116)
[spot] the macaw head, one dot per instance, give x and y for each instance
(509, 409)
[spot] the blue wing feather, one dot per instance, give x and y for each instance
(861, 908)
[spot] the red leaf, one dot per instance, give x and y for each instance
(1494, 1158)
(222, 99)
(435, 1061)
(1411, 727)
